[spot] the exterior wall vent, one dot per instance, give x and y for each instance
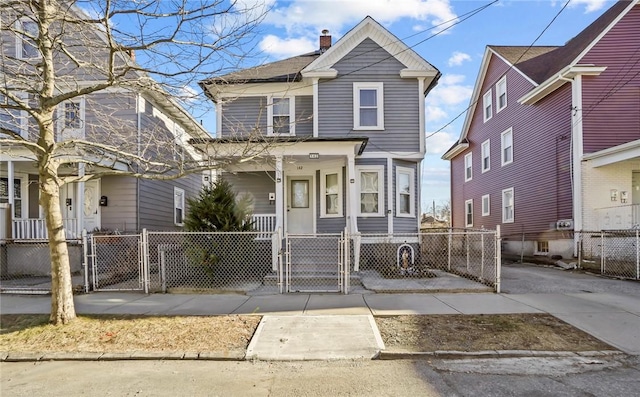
(564, 224)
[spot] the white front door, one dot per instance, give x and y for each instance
(300, 205)
(91, 210)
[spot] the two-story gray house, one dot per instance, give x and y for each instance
(337, 135)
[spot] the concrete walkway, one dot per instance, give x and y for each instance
(613, 318)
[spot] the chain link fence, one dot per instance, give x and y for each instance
(25, 266)
(614, 253)
(315, 263)
(472, 254)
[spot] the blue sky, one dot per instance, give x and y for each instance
(293, 27)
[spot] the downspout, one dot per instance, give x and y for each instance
(138, 150)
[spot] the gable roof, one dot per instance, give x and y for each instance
(541, 64)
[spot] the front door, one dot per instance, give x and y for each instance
(91, 210)
(300, 205)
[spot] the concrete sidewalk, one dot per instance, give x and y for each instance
(613, 318)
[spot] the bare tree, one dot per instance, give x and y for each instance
(106, 53)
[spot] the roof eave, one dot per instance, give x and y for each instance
(455, 150)
(558, 80)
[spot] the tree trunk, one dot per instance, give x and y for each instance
(62, 307)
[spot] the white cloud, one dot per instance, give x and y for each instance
(450, 91)
(439, 143)
(457, 58)
(300, 15)
(283, 48)
(590, 5)
(434, 113)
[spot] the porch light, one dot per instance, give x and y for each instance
(614, 194)
(278, 180)
(314, 156)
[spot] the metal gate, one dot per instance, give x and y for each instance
(316, 263)
(117, 263)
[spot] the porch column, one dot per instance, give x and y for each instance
(279, 194)
(10, 176)
(80, 205)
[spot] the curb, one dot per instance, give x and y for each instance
(240, 355)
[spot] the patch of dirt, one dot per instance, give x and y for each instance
(484, 332)
(126, 333)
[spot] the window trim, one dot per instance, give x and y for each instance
(21, 38)
(486, 210)
(513, 206)
(500, 86)
(381, 197)
(412, 194)
(538, 251)
(487, 102)
(63, 132)
(509, 131)
(468, 165)
(379, 87)
(468, 213)
(485, 154)
(178, 204)
(323, 193)
(292, 115)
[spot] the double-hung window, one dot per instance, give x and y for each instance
(371, 188)
(71, 119)
(508, 206)
(26, 47)
(281, 116)
(486, 155)
(368, 106)
(506, 139)
(178, 206)
(501, 94)
(486, 205)
(331, 188)
(468, 213)
(487, 105)
(405, 201)
(468, 161)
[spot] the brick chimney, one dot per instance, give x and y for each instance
(325, 41)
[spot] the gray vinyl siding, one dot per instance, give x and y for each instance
(257, 185)
(406, 224)
(243, 115)
(120, 213)
(368, 62)
(331, 225)
(304, 115)
(377, 224)
(157, 200)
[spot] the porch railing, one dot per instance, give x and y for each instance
(618, 217)
(35, 228)
(265, 223)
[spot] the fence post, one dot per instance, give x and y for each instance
(579, 248)
(482, 255)
(498, 258)
(637, 254)
(449, 249)
(145, 260)
(602, 258)
(85, 259)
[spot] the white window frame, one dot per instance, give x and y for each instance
(486, 154)
(271, 115)
(178, 204)
(486, 205)
(22, 39)
(507, 133)
(24, 199)
(501, 89)
(468, 213)
(71, 133)
(538, 250)
(505, 217)
(379, 87)
(487, 102)
(468, 167)
(381, 197)
(323, 193)
(412, 196)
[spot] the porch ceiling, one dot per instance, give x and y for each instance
(616, 154)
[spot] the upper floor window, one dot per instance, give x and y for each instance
(405, 202)
(26, 47)
(368, 106)
(507, 206)
(370, 186)
(71, 119)
(331, 188)
(487, 105)
(486, 205)
(468, 160)
(501, 94)
(468, 213)
(281, 116)
(507, 146)
(178, 206)
(486, 155)
(13, 119)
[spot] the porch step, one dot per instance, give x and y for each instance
(311, 280)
